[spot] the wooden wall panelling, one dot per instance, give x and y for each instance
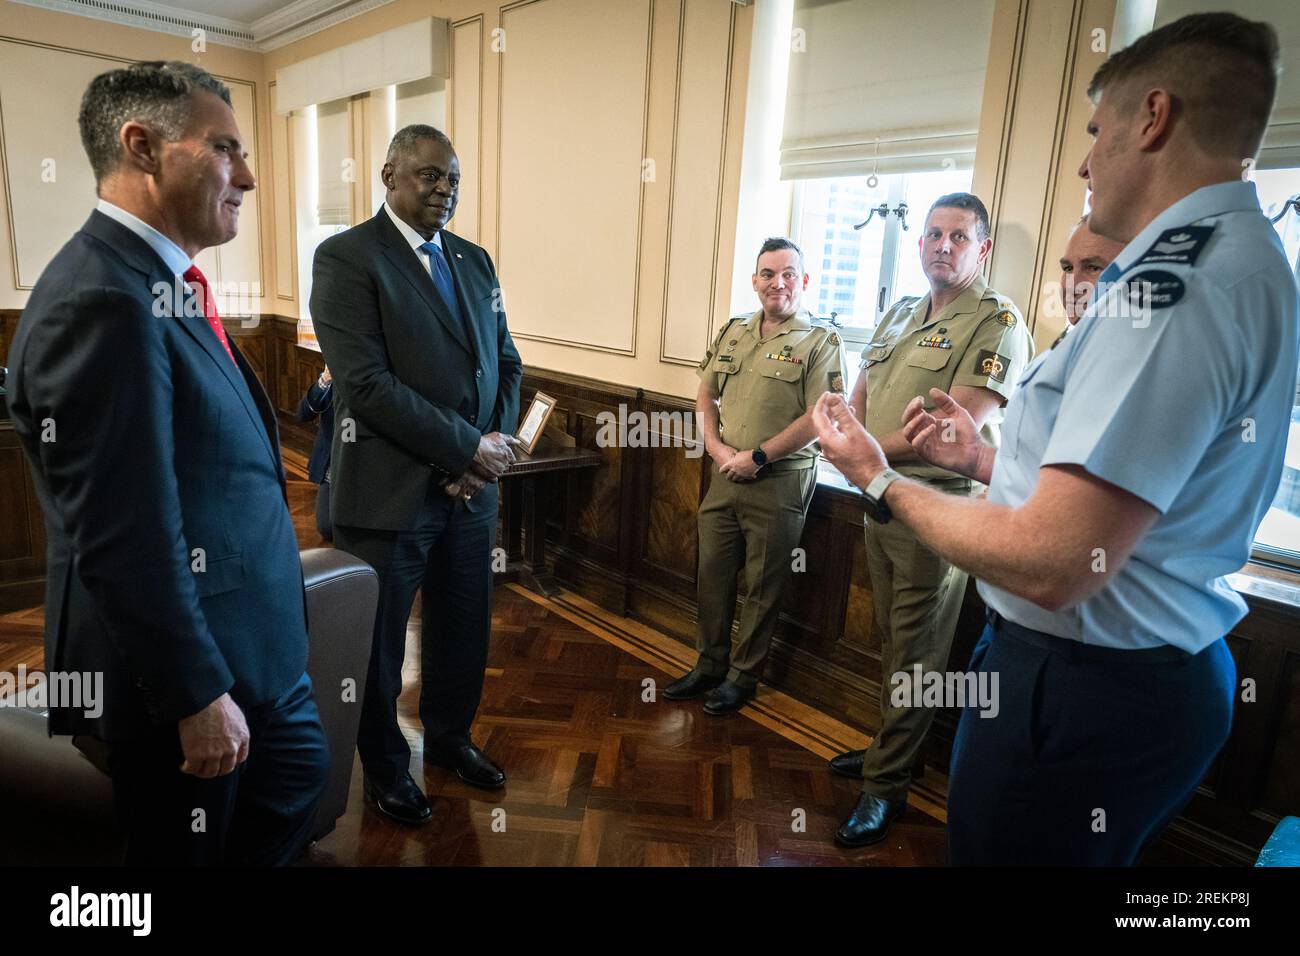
(827, 648)
(624, 536)
(8, 322)
(22, 529)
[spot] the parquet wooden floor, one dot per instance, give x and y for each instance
(602, 769)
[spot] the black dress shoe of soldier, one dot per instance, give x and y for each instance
(692, 685)
(849, 764)
(728, 698)
(401, 800)
(869, 822)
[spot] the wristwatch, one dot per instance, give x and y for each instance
(760, 457)
(873, 496)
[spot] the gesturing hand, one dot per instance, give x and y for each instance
(845, 443)
(947, 436)
(495, 454)
(215, 740)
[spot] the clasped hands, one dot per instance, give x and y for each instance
(495, 454)
(945, 436)
(734, 465)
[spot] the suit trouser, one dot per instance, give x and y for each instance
(323, 526)
(1093, 751)
(755, 525)
(917, 597)
(447, 554)
(259, 814)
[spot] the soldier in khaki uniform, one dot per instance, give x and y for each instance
(758, 384)
(971, 342)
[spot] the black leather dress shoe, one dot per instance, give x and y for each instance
(728, 698)
(471, 765)
(402, 800)
(849, 764)
(869, 822)
(692, 685)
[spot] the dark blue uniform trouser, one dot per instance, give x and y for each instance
(1092, 753)
(259, 814)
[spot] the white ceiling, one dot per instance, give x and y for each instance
(245, 11)
(251, 24)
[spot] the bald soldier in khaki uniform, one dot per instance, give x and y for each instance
(758, 383)
(966, 339)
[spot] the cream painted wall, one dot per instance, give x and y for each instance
(612, 207)
(60, 52)
(1032, 140)
(620, 270)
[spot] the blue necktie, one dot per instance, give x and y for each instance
(442, 281)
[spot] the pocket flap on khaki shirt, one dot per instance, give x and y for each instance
(930, 359)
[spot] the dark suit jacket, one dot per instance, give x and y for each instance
(419, 391)
(319, 401)
(161, 447)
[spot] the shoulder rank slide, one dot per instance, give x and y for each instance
(1179, 246)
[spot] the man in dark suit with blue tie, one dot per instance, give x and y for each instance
(426, 382)
(173, 569)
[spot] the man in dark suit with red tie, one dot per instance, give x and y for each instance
(173, 568)
(426, 379)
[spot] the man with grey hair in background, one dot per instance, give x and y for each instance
(411, 322)
(173, 564)
(1085, 258)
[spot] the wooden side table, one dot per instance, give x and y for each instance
(527, 487)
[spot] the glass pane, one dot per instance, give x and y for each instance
(843, 264)
(921, 190)
(1280, 531)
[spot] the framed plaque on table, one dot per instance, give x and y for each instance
(530, 432)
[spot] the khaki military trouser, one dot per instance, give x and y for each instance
(917, 597)
(757, 525)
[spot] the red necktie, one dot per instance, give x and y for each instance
(195, 277)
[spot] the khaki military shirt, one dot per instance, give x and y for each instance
(766, 384)
(979, 339)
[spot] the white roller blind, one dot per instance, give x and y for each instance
(882, 86)
(334, 163)
(412, 52)
(1281, 149)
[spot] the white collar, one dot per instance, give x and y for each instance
(410, 235)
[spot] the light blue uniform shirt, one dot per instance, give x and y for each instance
(1186, 405)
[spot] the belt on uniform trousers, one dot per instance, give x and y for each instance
(1078, 651)
(787, 464)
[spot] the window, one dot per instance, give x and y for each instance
(1278, 538)
(875, 265)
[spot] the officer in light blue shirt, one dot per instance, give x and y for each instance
(1139, 456)
(1172, 389)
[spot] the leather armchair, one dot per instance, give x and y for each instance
(57, 803)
